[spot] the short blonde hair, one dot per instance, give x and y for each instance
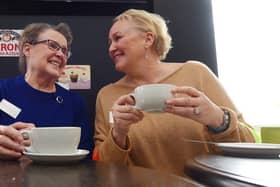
(150, 22)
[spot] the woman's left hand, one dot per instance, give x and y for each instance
(191, 103)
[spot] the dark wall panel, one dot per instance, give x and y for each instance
(191, 26)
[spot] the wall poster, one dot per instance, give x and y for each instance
(9, 42)
(76, 77)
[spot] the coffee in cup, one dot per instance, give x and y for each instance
(74, 77)
(53, 140)
(152, 97)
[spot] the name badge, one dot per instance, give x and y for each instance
(9, 108)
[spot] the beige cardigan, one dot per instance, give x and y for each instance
(157, 141)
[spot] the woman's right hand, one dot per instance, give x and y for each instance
(124, 115)
(11, 141)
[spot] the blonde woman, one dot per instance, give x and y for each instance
(139, 41)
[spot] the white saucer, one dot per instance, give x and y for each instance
(57, 158)
(262, 150)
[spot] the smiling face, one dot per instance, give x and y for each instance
(127, 45)
(43, 61)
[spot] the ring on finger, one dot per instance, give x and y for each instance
(25, 135)
(196, 110)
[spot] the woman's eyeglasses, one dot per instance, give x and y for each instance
(54, 46)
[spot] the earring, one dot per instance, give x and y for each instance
(146, 55)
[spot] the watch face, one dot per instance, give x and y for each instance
(224, 126)
(226, 121)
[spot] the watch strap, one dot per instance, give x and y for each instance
(224, 126)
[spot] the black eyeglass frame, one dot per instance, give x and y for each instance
(54, 46)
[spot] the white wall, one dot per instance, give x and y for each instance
(247, 36)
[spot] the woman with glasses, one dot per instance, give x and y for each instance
(34, 98)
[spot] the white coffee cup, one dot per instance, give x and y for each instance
(152, 97)
(53, 140)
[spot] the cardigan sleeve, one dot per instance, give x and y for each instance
(105, 147)
(239, 130)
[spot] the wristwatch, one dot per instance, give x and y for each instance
(224, 126)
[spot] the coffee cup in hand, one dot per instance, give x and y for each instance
(152, 97)
(53, 140)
